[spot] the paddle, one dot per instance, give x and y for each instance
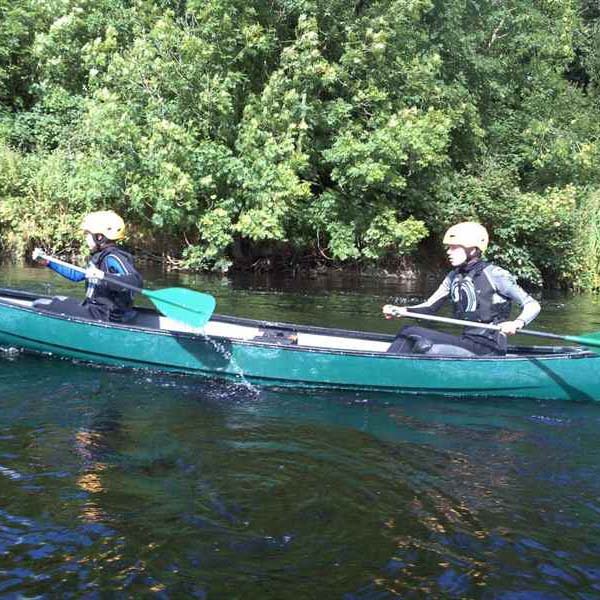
(187, 306)
(591, 339)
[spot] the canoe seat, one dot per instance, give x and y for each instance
(283, 337)
(230, 330)
(341, 343)
(212, 329)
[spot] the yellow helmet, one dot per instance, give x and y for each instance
(468, 234)
(105, 222)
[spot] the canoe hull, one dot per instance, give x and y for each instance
(562, 377)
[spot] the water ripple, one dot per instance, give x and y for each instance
(129, 485)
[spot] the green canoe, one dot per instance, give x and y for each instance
(281, 354)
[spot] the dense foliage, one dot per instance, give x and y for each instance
(351, 131)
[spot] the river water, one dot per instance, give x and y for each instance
(130, 484)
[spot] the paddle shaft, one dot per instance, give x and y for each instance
(116, 280)
(450, 321)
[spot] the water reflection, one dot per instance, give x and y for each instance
(313, 493)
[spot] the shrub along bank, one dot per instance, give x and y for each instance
(347, 132)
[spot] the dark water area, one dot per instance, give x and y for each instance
(131, 484)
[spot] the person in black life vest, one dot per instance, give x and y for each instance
(105, 300)
(479, 291)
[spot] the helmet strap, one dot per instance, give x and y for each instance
(101, 240)
(473, 254)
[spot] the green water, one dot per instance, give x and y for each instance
(128, 484)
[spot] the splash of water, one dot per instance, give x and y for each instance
(237, 370)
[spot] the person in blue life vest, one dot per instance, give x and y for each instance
(105, 300)
(479, 291)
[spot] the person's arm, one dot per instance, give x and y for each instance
(66, 271)
(429, 307)
(506, 285)
(39, 256)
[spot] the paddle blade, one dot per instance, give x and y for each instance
(183, 305)
(592, 340)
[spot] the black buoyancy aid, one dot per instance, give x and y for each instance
(117, 303)
(472, 295)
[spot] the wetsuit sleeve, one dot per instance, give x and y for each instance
(117, 267)
(435, 301)
(71, 274)
(506, 285)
